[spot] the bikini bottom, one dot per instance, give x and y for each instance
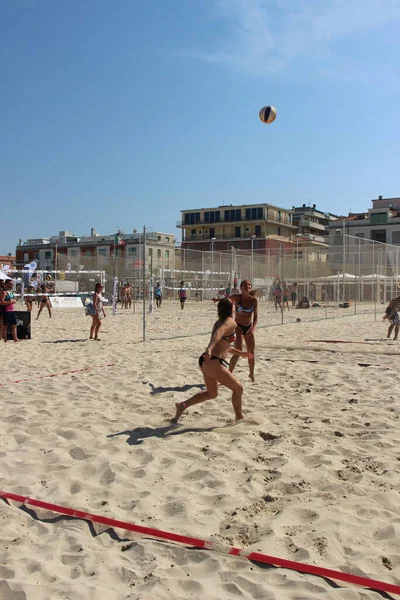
(223, 362)
(245, 328)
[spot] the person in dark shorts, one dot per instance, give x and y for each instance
(158, 294)
(7, 300)
(182, 294)
(293, 294)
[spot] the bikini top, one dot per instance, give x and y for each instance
(240, 308)
(228, 338)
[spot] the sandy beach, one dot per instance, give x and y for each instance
(316, 479)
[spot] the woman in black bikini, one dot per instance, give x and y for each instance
(44, 301)
(214, 366)
(246, 318)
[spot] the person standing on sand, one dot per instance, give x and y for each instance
(158, 294)
(182, 294)
(285, 292)
(7, 301)
(44, 301)
(293, 295)
(392, 314)
(246, 316)
(214, 366)
(99, 312)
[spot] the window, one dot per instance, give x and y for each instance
(279, 215)
(258, 229)
(132, 251)
(237, 231)
(193, 234)
(159, 253)
(192, 218)
(159, 238)
(73, 252)
(279, 231)
(254, 213)
(103, 251)
(167, 239)
(395, 237)
(212, 216)
(233, 215)
(150, 252)
(26, 256)
(212, 232)
(378, 235)
(47, 254)
(167, 254)
(378, 218)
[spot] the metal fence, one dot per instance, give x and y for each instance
(352, 276)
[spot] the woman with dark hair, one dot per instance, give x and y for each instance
(182, 294)
(44, 301)
(98, 312)
(246, 317)
(214, 366)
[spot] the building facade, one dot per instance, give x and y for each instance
(7, 260)
(381, 223)
(312, 224)
(96, 251)
(248, 226)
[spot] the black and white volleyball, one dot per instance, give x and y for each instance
(268, 114)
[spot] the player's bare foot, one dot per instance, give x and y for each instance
(251, 377)
(180, 407)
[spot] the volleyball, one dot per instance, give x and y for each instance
(268, 114)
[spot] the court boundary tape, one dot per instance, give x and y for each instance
(60, 373)
(208, 545)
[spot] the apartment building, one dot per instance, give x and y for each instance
(243, 226)
(96, 251)
(312, 225)
(381, 223)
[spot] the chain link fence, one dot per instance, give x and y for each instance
(351, 276)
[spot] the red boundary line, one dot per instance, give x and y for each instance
(61, 373)
(198, 543)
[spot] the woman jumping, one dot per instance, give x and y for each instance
(246, 318)
(214, 366)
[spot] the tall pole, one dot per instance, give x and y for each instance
(212, 266)
(55, 269)
(251, 261)
(144, 283)
(297, 260)
(115, 286)
(344, 258)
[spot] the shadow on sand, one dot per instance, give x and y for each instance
(136, 436)
(63, 341)
(182, 388)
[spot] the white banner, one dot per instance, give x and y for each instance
(115, 295)
(65, 302)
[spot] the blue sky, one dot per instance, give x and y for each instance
(120, 114)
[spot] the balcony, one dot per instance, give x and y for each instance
(282, 222)
(311, 224)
